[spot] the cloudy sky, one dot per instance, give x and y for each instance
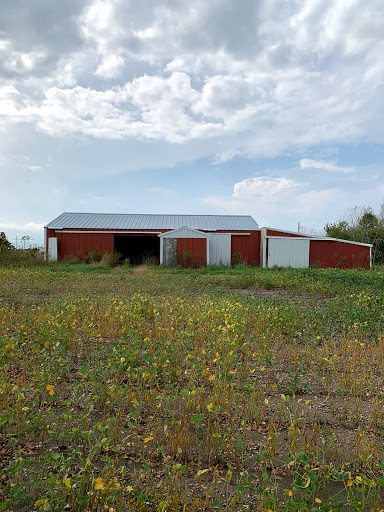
(272, 108)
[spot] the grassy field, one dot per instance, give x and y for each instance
(150, 389)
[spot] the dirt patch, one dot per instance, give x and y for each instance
(141, 270)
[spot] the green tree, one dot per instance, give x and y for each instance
(5, 244)
(361, 224)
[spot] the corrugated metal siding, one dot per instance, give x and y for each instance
(334, 254)
(288, 252)
(275, 232)
(49, 233)
(72, 245)
(146, 221)
(248, 246)
(220, 249)
(192, 251)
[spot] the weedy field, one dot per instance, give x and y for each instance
(150, 389)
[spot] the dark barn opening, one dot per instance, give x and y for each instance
(138, 248)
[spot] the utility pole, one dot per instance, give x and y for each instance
(26, 238)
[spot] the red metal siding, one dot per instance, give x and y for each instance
(72, 244)
(75, 244)
(50, 233)
(246, 246)
(192, 251)
(275, 232)
(334, 254)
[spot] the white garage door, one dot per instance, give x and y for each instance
(288, 252)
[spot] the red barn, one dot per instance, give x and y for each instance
(297, 250)
(196, 240)
(172, 239)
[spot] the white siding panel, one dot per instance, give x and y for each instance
(288, 252)
(184, 233)
(220, 249)
(52, 249)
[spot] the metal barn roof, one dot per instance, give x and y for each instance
(114, 221)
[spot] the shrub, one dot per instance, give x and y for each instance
(97, 257)
(190, 260)
(151, 261)
(21, 257)
(238, 259)
(110, 259)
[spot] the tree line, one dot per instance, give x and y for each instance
(361, 224)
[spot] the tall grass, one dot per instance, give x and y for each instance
(21, 257)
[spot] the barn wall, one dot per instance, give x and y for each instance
(197, 247)
(49, 233)
(275, 232)
(246, 245)
(71, 244)
(74, 244)
(331, 253)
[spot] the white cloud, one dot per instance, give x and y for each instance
(282, 202)
(8, 95)
(225, 156)
(4, 45)
(111, 66)
(160, 190)
(97, 22)
(28, 226)
(270, 189)
(222, 95)
(295, 75)
(171, 109)
(307, 163)
(22, 62)
(19, 62)
(149, 107)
